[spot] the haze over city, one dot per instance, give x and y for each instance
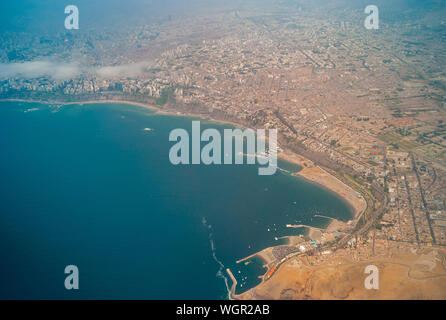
(360, 114)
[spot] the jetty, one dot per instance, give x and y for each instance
(320, 216)
(302, 226)
(248, 257)
(234, 283)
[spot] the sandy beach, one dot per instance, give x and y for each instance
(317, 175)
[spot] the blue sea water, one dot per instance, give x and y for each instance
(86, 185)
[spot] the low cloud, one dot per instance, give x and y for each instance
(37, 69)
(128, 70)
(66, 71)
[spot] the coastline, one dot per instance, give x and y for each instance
(400, 273)
(309, 172)
(318, 176)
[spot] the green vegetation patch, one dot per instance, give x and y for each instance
(164, 96)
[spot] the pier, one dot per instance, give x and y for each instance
(320, 216)
(302, 226)
(234, 283)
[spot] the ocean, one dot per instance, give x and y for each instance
(86, 185)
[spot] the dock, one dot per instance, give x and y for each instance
(248, 257)
(234, 283)
(302, 226)
(320, 216)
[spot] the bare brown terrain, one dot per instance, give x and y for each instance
(406, 275)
